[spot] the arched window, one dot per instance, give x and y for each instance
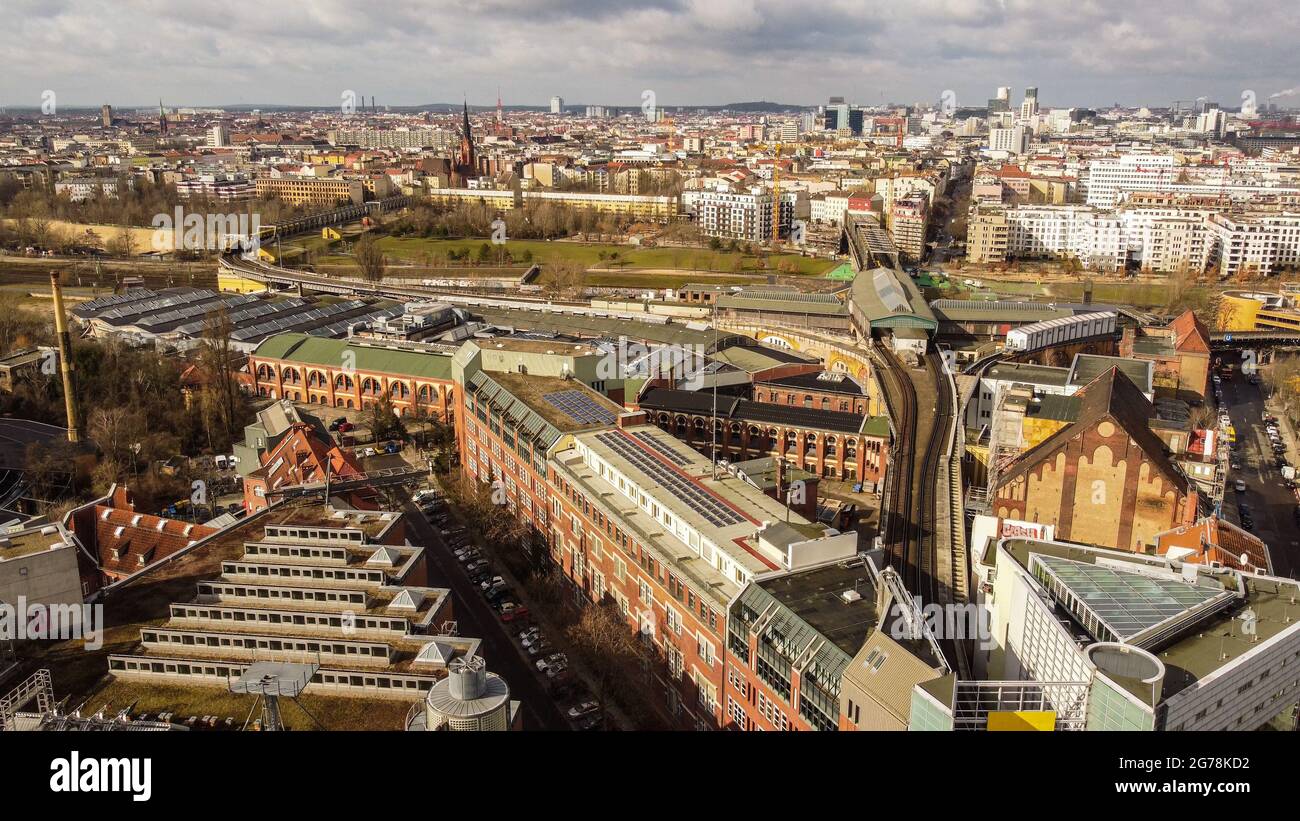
(343, 382)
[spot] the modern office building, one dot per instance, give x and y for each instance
(1084, 638)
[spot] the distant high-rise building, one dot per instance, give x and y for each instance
(1029, 107)
(218, 136)
(1000, 102)
(106, 115)
(557, 104)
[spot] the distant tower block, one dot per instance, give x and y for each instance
(469, 699)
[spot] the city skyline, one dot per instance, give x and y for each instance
(405, 55)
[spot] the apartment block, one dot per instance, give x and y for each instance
(326, 191)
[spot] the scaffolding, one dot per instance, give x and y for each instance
(37, 686)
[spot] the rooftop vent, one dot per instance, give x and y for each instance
(850, 596)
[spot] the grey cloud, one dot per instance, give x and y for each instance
(606, 51)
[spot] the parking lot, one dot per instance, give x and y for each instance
(535, 669)
(1264, 502)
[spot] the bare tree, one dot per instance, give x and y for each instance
(369, 258)
(609, 649)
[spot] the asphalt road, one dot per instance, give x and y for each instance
(1271, 503)
(475, 617)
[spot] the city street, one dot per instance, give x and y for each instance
(1271, 502)
(476, 618)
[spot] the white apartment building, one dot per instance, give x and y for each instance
(1013, 140)
(1110, 180)
(829, 207)
(557, 104)
(743, 216)
(218, 137)
(1159, 239)
(1255, 243)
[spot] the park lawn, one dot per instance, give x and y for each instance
(414, 249)
(1139, 294)
(633, 278)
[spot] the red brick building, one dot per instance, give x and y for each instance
(824, 390)
(829, 444)
(355, 373)
(124, 541)
(1105, 479)
(301, 457)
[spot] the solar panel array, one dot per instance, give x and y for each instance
(194, 309)
(659, 446)
(713, 510)
(336, 317)
(94, 306)
(164, 302)
(580, 407)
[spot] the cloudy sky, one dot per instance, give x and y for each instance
(690, 52)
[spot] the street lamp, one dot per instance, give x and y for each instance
(135, 450)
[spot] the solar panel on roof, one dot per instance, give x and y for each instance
(660, 447)
(580, 407)
(708, 506)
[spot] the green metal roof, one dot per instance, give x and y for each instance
(315, 350)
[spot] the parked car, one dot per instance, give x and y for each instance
(543, 649)
(476, 565)
(586, 708)
(1240, 486)
(589, 723)
(512, 611)
(554, 658)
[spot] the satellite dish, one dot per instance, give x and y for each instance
(1243, 559)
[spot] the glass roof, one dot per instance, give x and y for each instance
(1126, 604)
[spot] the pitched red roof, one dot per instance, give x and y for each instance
(1215, 540)
(1190, 333)
(125, 541)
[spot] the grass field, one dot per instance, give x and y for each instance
(415, 249)
(1139, 294)
(309, 712)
